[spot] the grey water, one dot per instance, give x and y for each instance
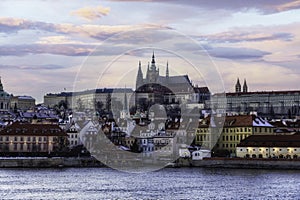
(169, 183)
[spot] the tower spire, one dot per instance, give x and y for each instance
(245, 87)
(139, 77)
(238, 86)
(1, 86)
(153, 58)
(167, 70)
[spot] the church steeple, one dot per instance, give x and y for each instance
(167, 70)
(125, 106)
(1, 86)
(153, 58)
(139, 78)
(238, 86)
(245, 87)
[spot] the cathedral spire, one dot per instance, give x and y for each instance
(139, 77)
(167, 70)
(238, 86)
(1, 86)
(125, 106)
(245, 87)
(153, 58)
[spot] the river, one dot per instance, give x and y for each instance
(170, 183)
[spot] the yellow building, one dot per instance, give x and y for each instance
(235, 129)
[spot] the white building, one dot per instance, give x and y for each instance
(270, 146)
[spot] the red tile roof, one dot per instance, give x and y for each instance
(19, 128)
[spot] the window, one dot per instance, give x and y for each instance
(16, 139)
(40, 139)
(45, 139)
(0, 138)
(76, 136)
(241, 149)
(28, 139)
(33, 139)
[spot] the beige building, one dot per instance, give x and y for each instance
(87, 99)
(270, 146)
(4, 98)
(22, 102)
(25, 137)
(235, 129)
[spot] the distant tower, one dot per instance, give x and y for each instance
(125, 112)
(1, 85)
(167, 70)
(4, 98)
(245, 87)
(139, 78)
(152, 73)
(238, 87)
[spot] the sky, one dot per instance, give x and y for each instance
(51, 46)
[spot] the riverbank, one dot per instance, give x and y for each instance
(44, 162)
(243, 163)
(236, 163)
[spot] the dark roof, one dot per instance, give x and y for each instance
(94, 91)
(283, 92)
(201, 90)
(271, 141)
(19, 128)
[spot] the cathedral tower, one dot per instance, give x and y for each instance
(245, 87)
(238, 87)
(139, 78)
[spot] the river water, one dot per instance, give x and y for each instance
(170, 183)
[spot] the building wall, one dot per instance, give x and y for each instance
(266, 152)
(24, 143)
(229, 138)
(265, 103)
(22, 103)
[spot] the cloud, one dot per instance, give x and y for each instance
(91, 13)
(236, 53)
(242, 36)
(265, 7)
(66, 50)
(32, 67)
(99, 32)
(288, 6)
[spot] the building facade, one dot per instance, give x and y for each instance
(22, 103)
(273, 104)
(274, 146)
(235, 129)
(28, 138)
